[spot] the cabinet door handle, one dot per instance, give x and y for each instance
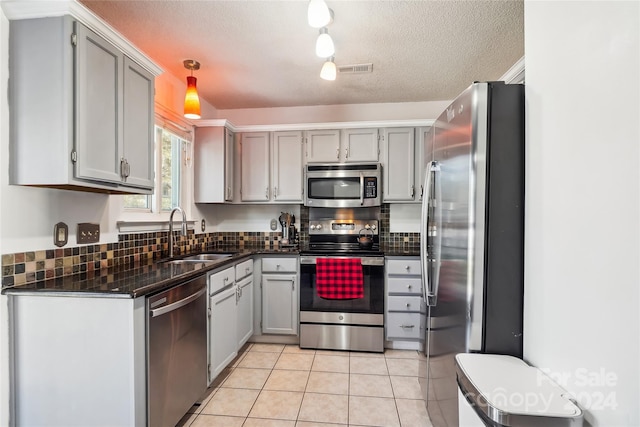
(338, 153)
(275, 192)
(413, 191)
(346, 152)
(123, 170)
(293, 285)
(228, 192)
(267, 193)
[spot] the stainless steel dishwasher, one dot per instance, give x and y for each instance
(177, 351)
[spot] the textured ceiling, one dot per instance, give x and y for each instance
(258, 54)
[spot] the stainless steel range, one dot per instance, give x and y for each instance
(346, 240)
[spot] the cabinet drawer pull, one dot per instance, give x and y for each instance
(407, 326)
(409, 286)
(408, 305)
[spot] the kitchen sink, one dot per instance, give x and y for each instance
(206, 257)
(186, 261)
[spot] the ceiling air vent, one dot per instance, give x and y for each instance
(355, 69)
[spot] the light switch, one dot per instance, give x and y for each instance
(88, 233)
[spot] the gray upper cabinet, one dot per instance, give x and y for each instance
(254, 148)
(323, 146)
(360, 145)
(271, 167)
(213, 165)
(286, 170)
(138, 122)
(399, 165)
(342, 146)
(81, 110)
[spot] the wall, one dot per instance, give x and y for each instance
(4, 136)
(335, 113)
(582, 202)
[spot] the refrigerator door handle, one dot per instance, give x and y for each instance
(437, 244)
(428, 293)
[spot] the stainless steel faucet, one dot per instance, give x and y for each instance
(184, 228)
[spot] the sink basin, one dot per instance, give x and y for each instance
(186, 261)
(206, 257)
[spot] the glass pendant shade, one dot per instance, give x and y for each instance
(191, 100)
(324, 44)
(328, 71)
(318, 13)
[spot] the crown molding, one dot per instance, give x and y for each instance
(313, 126)
(515, 74)
(20, 9)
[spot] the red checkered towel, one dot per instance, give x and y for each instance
(339, 278)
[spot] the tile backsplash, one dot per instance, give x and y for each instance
(130, 250)
(141, 248)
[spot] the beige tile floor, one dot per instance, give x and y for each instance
(285, 386)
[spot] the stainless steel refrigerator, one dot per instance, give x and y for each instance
(472, 237)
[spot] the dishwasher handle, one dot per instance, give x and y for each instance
(176, 305)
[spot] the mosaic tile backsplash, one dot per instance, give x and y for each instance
(141, 248)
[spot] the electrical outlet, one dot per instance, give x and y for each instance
(274, 225)
(88, 233)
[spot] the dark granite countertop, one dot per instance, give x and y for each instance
(127, 282)
(155, 276)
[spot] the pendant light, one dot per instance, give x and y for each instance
(328, 71)
(318, 13)
(191, 99)
(324, 44)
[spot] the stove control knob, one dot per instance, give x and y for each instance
(367, 226)
(373, 227)
(319, 226)
(313, 226)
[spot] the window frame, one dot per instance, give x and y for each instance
(154, 214)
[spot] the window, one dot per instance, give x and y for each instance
(169, 148)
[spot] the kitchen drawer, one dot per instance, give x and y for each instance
(244, 269)
(405, 303)
(404, 267)
(404, 326)
(221, 279)
(404, 285)
(279, 265)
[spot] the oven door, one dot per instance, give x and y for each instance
(372, 301)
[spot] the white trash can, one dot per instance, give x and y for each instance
(496, 390)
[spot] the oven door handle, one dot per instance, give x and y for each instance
(361, 188)
(365, 260)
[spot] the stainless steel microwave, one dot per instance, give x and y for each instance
(341, 185)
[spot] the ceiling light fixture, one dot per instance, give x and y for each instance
(324, 44)
(318, 14)
(191, 99)
(328, 71)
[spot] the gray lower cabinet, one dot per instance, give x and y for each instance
(244, 289)
(280, 295)
(230, 314)
(405, 309)
(223, 337)
(82, 111)
(78, 360)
